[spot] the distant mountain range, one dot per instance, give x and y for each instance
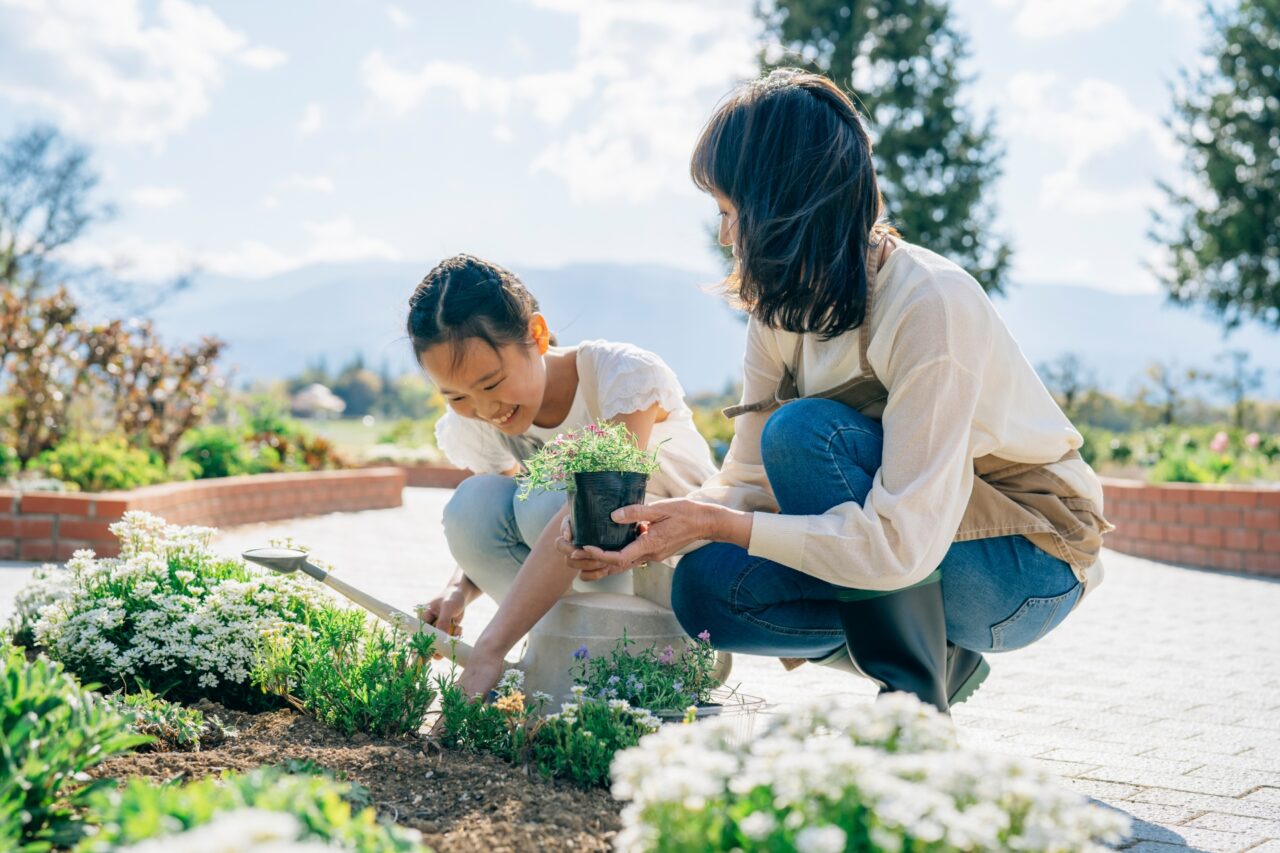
(276, 326)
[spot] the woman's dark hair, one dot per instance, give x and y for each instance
(466, 297)
(790, 152)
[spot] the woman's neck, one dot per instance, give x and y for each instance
(562, 387)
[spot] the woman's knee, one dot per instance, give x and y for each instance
(533, 514)
(700, 590)
(809, 425)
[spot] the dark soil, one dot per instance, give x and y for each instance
(459, 801)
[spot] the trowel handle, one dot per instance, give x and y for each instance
(447, 645)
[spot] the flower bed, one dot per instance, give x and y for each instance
(53, 526)
(1210, 526)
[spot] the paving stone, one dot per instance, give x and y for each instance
(1237, 823)
(1243, 806)
(1162, 669)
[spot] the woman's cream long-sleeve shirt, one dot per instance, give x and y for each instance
(959, 389)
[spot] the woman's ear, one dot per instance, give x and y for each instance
(540, 332)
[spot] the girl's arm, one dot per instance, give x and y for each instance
(541, 581)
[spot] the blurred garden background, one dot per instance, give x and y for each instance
(211, 218)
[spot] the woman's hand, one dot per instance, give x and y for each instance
(445, 611)
(666, 528)
(481, 674)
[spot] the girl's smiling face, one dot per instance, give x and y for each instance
(504, 386)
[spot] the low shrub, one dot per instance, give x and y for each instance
(239, 812)
(666, 680)
(577, 743)
(102, 465)
(836, 774)
(170, 726)
(52, 729)
(350, 673)
(217, 452)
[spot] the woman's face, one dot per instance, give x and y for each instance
(728, 219)
(505, 386)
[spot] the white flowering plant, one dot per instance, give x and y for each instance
(577, 743)
(837, 775)
(261, 810)
(167, 615)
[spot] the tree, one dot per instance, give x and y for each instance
(47, 202)
(936, 164)
(1238, 382)
(1222, 230)
(1167, 383)
(1068, 379)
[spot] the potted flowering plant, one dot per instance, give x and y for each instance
(603, 469)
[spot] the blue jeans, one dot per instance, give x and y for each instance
(999, 594)
(490, 532)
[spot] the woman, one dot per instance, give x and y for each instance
(902, 493)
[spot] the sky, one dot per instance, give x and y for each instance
(250, 138)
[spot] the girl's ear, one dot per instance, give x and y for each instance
(540, 333)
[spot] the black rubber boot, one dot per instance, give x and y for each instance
(898, 639)
(966, 670)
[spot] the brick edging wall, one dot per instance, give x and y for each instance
(51, 526)
(1217, 527)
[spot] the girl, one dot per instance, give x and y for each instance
(479, 336)
(902, 493)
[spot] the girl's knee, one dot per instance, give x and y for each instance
(479, 503)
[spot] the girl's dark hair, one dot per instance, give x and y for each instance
(467, 297)
(790, 152)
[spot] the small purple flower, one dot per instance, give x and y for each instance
(705, 636)
(667, 656)
(614, 679)
(581, 653)
(677, 685)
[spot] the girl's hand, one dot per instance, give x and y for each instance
(481, 675)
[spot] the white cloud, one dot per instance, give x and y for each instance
(400, 19)
(156, 196)
(1093, 119)
(309, 183)
(651, 70)
(1049, 18)
(270, 202)
(148, 260)
(312, 119)
(108, 69)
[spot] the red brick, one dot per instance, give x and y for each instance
(1166, 552)
(8, 549)
(23, 527)
(1226, 517)
(1210, 537)
(80, 505)
(1262, 519)
(1178, 495)
(73, 529)
(1240, 497)
(1178, 534)
(111, 508)
(1206, 495)
(35, 549)
(1193, 515)
(1166, 512)
(1193, 555)
(1244, 540)
(1232, 561)
(1268, 564)
(1269, 499)
(1270, 543)
(1142, 512)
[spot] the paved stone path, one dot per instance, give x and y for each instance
(1160, 696)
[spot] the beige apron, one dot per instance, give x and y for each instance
(1008, 498)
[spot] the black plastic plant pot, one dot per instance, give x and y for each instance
(594, 497)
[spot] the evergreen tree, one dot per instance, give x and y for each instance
(936, 164)
(1223, 230)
